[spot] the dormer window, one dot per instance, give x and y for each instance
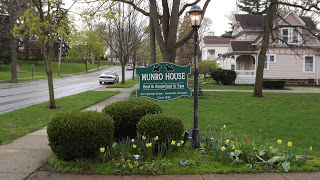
(290, 35)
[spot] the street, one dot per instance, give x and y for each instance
(14, 96)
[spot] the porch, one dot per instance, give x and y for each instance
(245, 76)
(245, 68)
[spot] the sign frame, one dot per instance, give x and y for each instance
(163, 81)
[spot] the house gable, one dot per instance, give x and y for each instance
(291, 19)
(247, 23)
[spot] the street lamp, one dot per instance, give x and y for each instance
(195, 14)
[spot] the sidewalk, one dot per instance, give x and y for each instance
(22, 158)
(25, 155)
(293, 90)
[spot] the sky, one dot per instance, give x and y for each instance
(216, 11)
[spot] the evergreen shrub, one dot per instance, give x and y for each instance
(126, 114)
(166, 127)
(273, 84)
(74, 135)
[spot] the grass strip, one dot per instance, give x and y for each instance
(129, 83)
(23, 121)
(287, 116)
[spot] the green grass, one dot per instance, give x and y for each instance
(129, 83)
(290, 117)
(39, 71)
(201, 164)
(23, 121)
(209, 83)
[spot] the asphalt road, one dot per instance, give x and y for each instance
(14, 96)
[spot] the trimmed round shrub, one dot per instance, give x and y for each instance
(126, 114)
(227, 77)
(164, 126)
(214, 75)
(273, 84)
(73, 135)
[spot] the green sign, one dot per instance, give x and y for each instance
(163, 81)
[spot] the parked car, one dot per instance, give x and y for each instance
(108, 77)
(129, 67)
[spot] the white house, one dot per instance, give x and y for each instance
(212, 48)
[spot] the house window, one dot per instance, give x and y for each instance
(291, 35)
(211, 54)
(285, 35)
(308, 64)
(266, 63)
(271, 58)
(233, 67)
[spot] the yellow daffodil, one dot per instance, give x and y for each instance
(134, 146)
(178, 144)
(233, 147)
(279, 141)
(173, 142)
(132, 140)
(289, 143)
(227, 141)
(223, 148)
(148, 144)
(310, 148)
(143, 137)
(156, 138)
(182, 142)
(102, 149)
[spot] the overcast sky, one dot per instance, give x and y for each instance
(216, 11)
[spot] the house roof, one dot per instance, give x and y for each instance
(216, 40)
(242, 46)
(310, 24)
(248, 21)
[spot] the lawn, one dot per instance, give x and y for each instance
(129, 83)
(290, 117)
(209, 83)
(23, 121)
(26, 69)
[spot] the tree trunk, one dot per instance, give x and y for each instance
(134, 63)
(153, 58)
(13, 43)
(268, 25)
(47, 65)
(13, 47)
(123, 72)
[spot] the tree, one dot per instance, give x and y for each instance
(123, 33)
(207, 66)
(252, 6)
(165, 17)
(46, 22)
(269, 37)
(185, 52)
(267, 30)
(85, 45)
(14, 9)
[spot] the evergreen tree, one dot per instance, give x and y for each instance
(256, 7)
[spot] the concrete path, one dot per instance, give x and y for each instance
(24, 155)
(293, 90)
(22, 158)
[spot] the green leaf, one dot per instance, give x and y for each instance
(274, 159)
(237, 152)
(286, 166)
